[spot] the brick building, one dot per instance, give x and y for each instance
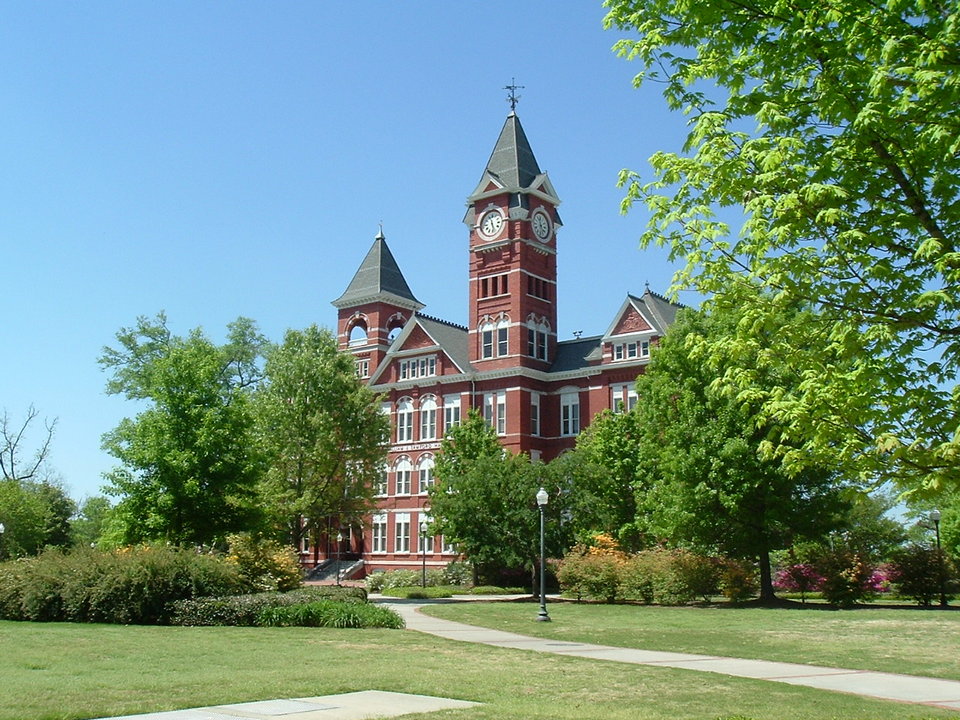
(537, 392)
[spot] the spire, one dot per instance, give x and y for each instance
(378, 279)
(512, 162)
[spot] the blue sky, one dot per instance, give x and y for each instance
(218, 159)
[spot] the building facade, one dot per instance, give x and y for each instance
(536, 391)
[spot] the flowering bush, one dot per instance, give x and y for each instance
(738, 580)
(918, 572)
(264, 564)
(799, 577)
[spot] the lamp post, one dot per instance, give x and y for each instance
(2, 530)
(542, 498)
(935, 517)
(423, 553)
(339, 540)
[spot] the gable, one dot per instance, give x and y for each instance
(631, 321)
(417, 339)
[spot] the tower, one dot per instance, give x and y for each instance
(374, 307)
(513, 222)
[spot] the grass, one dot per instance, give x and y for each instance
(909, 641)
(66, 672)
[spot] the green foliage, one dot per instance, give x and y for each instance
(919, 572)
(738, 581)
(328, 613)
(495, 590)
(458, 572)
(245, 610)
(831, 130)
(35, 515)
(91, 521)
(703, 481)
(189, 460)
(415, 592)
(127, 586)
(846, 577)
(322, 434)
(485, 501)
(264, 564)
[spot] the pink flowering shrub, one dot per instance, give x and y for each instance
(799, 577)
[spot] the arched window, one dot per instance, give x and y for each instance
(425, 473)
(405, 420)
(503, 328)
(404, 471)
(537, 333)
(486, 340)
(428, 418)
(358, 333)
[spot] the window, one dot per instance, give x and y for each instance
(418, 367)
(495, 411)
(401, 533)
(486, 340)
(535, 413)
(403, 470)
(623, 398)
(631, 350)
(447, 548)
(537, 339)
(451, 412)
(425, 544)
(570, 413)
(494, 285)
(305, 543)
(363, 368)
(405, 420)
(425, 473)
(379, 534)
(494, 337)
(428, 418)
(358, 334)
(380, 484)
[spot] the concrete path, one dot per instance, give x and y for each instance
(884, 686)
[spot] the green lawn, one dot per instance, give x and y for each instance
(910, 641)
(63, 671)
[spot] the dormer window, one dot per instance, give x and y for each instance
(631, 350)
(418, 367)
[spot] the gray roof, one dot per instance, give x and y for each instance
(662, 311)
(378, 279)
(512, 162)
(450, 337)
(574, 354)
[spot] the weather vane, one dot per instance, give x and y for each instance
(513, 98)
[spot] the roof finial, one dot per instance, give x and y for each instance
(380, 235)
(513, 98)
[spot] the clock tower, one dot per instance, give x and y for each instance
(513, 221)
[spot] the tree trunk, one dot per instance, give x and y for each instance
(766, 579)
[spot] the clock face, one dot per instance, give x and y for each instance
(541, 226)
(491, 223)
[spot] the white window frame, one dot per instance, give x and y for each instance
(362, 367)
(535, 414)
(425, 543)
(428, 418)
(404, 420)
(495, 411)
(425, 477)
(570, 414)
(382, 483)
(486, 340)
(403, 472)
(378, 534)
(401, 533)
(451, 412)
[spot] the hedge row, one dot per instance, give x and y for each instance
(126, 586)
(248, 609)
(331, 613)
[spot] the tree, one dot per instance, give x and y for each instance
(91, 520)
(322, 433)
(701, 480)
(189, 460)
(13, 436)
(832, 127)
(484, 500)
(604, 471)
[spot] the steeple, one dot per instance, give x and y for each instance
(512, 162)
(378, 280)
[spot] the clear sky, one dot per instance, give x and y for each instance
(218, 159)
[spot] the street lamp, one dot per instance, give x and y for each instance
(339, 540)
(542, 498)
(2, 530)
(423, 553)
(935, 517)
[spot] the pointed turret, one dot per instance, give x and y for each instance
(378, 280)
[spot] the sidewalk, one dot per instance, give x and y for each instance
(885, 686)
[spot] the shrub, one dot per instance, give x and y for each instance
(421, 593)
(457, 573)
(847, 578)
(593, 569)
(798, 577)
(918, 573)
(738, 580)
(264, 564)
(497, 590)
(127, 586)
(384, 581)
(330, 613)
(245, 609)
